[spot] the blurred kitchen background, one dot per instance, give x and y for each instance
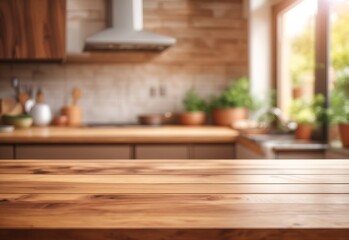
(211, 51)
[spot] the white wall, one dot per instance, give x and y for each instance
(260, 49)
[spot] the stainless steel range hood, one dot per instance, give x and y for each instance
(126, 32)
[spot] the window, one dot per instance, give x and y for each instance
(295, 66)
(312, 52)
(301, 52)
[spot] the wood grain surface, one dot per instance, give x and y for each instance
(138, 134)
(32, 30)
(170, 234)
(174, 199)
(175, 167)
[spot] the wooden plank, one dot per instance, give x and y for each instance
(100, 188)
(168, 201)
(102, 170)
(189, 164)
(222, 211)
(174, 167)
(177, 198)
(178, 179)
(176, 234)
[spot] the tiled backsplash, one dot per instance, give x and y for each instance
(211, 51)
(116, 93)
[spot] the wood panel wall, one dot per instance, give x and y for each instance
(207, 31)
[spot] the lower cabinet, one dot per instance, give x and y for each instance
(185, 151)
(119, 151)
(212, 151)
(7, 152)
(73, 151)
(162, 151)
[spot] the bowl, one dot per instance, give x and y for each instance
(156, 119)
(18, 121)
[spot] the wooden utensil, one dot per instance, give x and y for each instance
(76, 95)
(23, 97)
(7, 105)
(73, 111)
(39, 97)
(17, 110)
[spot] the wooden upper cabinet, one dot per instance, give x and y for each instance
(32, 30)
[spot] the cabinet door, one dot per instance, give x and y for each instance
(32, 29)
(73, 152)
(159, 151)
(6, 152)
(213, 151)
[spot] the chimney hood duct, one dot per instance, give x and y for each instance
(126, 32)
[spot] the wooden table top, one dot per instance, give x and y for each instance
(136, 134)
(174, 194)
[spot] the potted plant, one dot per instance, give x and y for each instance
(308, 115)
(233, 105)
(195, 109)
(297, 87)
(339, 107)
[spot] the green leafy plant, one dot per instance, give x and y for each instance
(309, 112)
(236, 95)
(193, 102)
(339, 100)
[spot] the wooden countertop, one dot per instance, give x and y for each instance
(288, 199)
(137, 134)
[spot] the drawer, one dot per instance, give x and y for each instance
(73, 151)
(213, 151)
(159, 151)
(6, 152)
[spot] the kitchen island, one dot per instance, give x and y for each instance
(174, 199)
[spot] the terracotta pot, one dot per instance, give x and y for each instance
(344, 134)
(304, 131)
(229, 116)
(297, 92)
(192, 118)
